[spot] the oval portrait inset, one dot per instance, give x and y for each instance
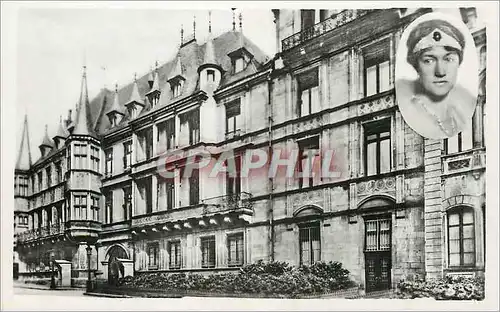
(437, 76)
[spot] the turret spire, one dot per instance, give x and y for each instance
(46, 145)
(182, 34)
(61, 133)
(23, 161)
(82, 123)
(209, 23)
(194, 26)
(135, 96)
(234, 21)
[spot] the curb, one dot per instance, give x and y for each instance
(47, 288)
(103, 295)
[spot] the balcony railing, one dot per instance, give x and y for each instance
(210, 206)
(43, 232)
(321, 28)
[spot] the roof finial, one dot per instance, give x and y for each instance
(135, 76)
(194, 26)
(60, 118)
(209, 22)
(156, 65)
(116, 87)
(182, 34)
(234, 21)
(46, 129)
(84, 70)
(241, 22)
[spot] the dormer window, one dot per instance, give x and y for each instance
(177, 88)
(239, 64)
(112, 120)
(210, 75)
(155, 98)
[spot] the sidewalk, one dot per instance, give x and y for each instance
(42, 287)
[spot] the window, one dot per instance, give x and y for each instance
(459, 143)
(310, 246)
(145, 138)
(95, 208)
(40, 180)
(210, 75)
(109, 207)
(376, 68)
(233, 178)
(145, 193)
(190, 121)
(208, 252)
(174, 255)
(177, 88)
(94, 158)
(49, 176)
(233, 116)
(377, 147)
(108, 170)
(239, 64)
(308, 83)
(58, 172)
(235, 249)
(308, 153)
(194, 187)
(378, 235)
(68, 158)
(23, 186)
(80, 156)
(461, 246)
(166, 136)
(307, 18)
(127, 202)
(154, 98)
(153, 255)
(127, 157)
(80, 207)
(166, 194)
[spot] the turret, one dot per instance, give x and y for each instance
(210, 73)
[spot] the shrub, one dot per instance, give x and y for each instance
(448, 288)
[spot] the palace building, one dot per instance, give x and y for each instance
(402, 205)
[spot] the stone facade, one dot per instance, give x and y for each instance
(383, 225)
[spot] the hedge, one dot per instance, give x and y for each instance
(271, 278)
(448, 288)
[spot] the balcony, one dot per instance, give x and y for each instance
(83, 231)
(46, 232)
(210, 212)
(321, 28)
(473, 161)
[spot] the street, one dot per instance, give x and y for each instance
(45, 292)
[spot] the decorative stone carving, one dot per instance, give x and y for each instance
(376, 105)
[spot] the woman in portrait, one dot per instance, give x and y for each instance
(434, 104)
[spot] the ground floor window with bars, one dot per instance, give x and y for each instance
(235, 249)
(153, 255)
(208, 252)
(174, 255)
(378, 235)
(310, 246)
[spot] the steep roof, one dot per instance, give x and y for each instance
(83, 120)
(187, 60)
(61, 131)
(23, 161)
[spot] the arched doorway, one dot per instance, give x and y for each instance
(115, 267)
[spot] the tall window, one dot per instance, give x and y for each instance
(23, 186)
(127, 157)
(108, 170)
(127, 202)
(94, 158)
(166, 136)
(377, 147)
(49, 176)
(145, 193)
(459, 143)
(80, 156)
(190, 122)
(235, 249)
(234, 178)
(233, 117)
(145, 138)
(378, 235)
(308, 152)
(109, 207)
(80, 207)
(307, 18)
(376, 68)
(208, 252)
(153, 255)
(310, 246)
(177, 88)
(210, 75)
(308, 84)
(40, 180)
(461, 246)
(166, 192)
(194, 187)
(95, 208)
(58, 172)
(174, 255)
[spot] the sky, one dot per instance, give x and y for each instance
(114, 43)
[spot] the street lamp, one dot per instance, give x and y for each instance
(52, 278)
(89, 280)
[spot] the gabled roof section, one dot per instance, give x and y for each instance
(83, 122)
(23, 161)
(156, 84)
(46, 140)
(61, 130)
(116, 108)
(176, 72)
(135, 97)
